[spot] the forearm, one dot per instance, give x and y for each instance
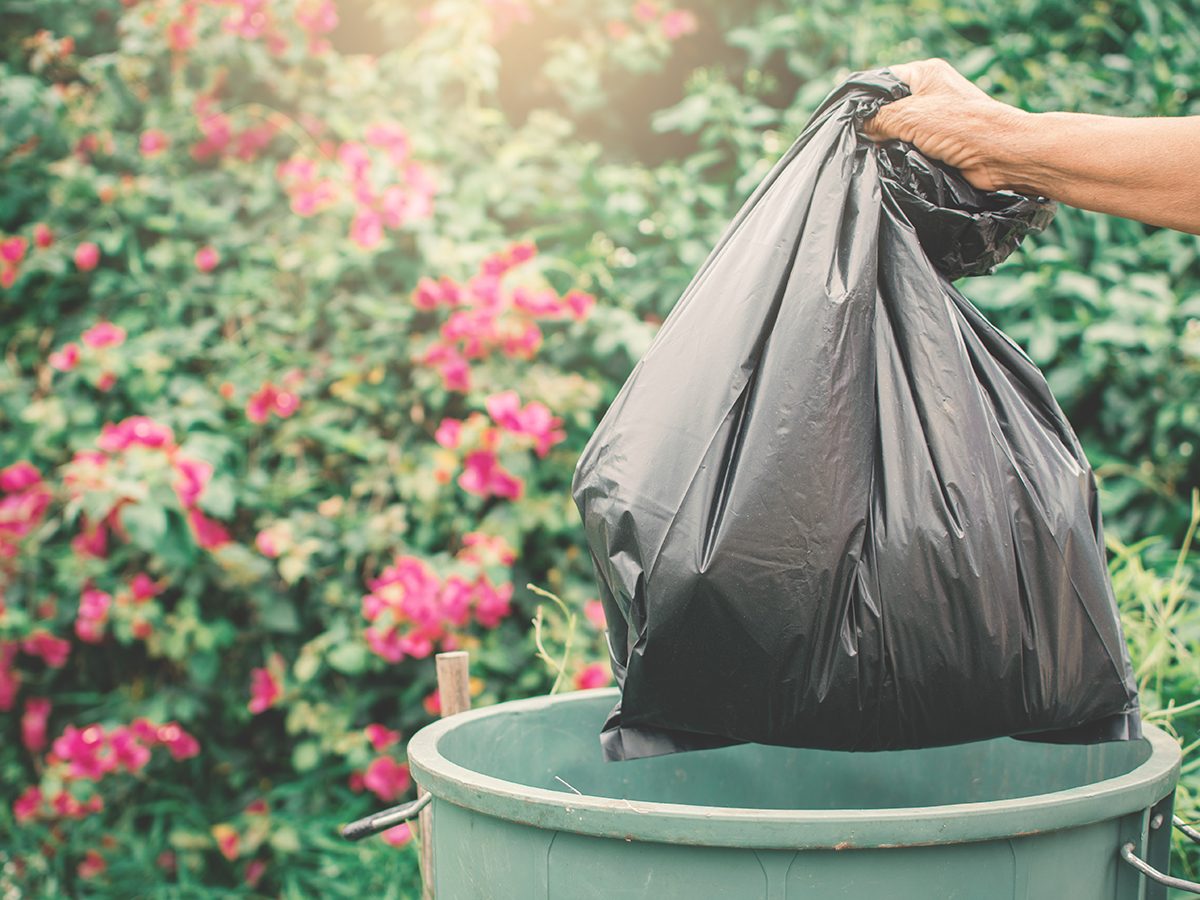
(1146, 169)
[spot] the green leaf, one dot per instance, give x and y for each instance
(146, 524)
(349, 657)
(285, 839)
(277, 612)
(306, 756)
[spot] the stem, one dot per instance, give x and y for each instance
(560, 668)
(1171, 711)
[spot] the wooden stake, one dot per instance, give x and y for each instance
(454, 681)
(454, 696)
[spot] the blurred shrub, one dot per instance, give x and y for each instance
(303, 328)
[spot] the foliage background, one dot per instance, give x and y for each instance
(274, 308)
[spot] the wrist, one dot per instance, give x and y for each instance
(1014, 135)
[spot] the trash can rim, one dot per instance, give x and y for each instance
(841, 829)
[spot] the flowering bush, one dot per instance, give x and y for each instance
(290, 405)
(308, 308)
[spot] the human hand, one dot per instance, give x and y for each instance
(950, 119)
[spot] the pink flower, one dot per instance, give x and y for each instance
(520, 340)
(106, 381)
(227, 841)
(645, 11)
(86, 751)
(92, 541)
(206, 259)
(505, 410)
(209, 533)
(409, 610)
(484, 476)
(448, 433)
(254, 872)
(217, 135)
(317, 16)
(593, 610)
(53, 651)
(135, 430)
(592, 676)
(152, 142)
(28, 805)
(143, 587)
(677, 23)
(250, 142)
(264, 691)
(355, 160)
(92, 866)
(455, 370)
(431, 294)
(258, 407)
(92, 616)
(180, 36)
(87, 256)
(398, 835)
(267, 544)
(65, 806)
(144, 730)
(22, 508)
(178, 742)
(129, 752)
(104, 334)
(67, 358)
(10, 678)
(455, 600)
(194, 475)
(486, 549)
(297, 168)
(366, 229)
(492, 603)
(12, 249)
(42, 235)
(538, 423)
(380, 736)
(385, 643)
(19, 476)
(33, 723)
(537, 303)
(387, 778)
(579, 303)
(432, 703)
(270, 399)
(534, 420)
(286, 403)
(389, 137)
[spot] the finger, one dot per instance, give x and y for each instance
(872, 128)
(906, 72)
(885, 124)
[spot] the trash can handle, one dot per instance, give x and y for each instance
(1187, 829)
(1152, 873)
(382, 821)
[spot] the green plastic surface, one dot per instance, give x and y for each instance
(983, 821)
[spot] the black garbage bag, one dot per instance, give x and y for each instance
(833, 506)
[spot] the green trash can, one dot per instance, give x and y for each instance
(524, 807)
